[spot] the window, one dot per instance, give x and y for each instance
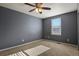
(56, 26)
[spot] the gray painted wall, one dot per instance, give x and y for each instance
(16, 26)
(78, 29)
(69, 28)
(78, 23)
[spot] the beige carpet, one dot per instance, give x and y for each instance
(35, 51)
(56, 48)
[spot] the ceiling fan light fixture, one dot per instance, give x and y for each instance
(38, 10)
(38, 7)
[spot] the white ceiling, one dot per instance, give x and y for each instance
(56, 8)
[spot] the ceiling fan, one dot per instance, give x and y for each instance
(38, 7)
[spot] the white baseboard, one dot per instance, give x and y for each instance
(19, 45)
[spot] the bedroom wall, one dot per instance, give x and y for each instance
(78, 29)
(18, 28)
(78, 23)
(68, 27)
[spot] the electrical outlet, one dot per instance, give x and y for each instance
(22, 40)
(48, 37)
(68, 40)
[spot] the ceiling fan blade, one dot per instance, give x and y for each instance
(29, 4)
(46, 8)
(31, 10)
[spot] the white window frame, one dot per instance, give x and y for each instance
(52, 32)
